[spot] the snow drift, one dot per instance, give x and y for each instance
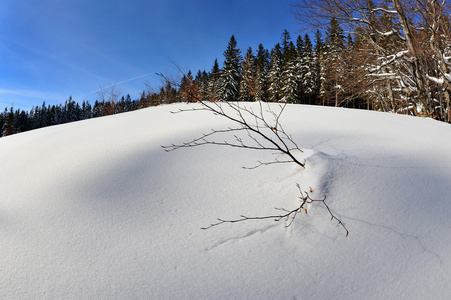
(96, 209)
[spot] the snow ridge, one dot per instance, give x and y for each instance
(97, 210)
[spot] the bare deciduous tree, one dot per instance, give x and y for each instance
(409, 42)
(108, 96)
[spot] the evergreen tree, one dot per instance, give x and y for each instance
(275, 74)
(231, 72)
(44, 119)
(2, 122)
(335, 39)
(306, 69)
(213, 82)
(262, 65)
(87, 109)
(71, 110)
(247, 83)
(202, 83)
(320, 67)
(287, 46)
(8, 127)
(21, 118)
(301, 68)
(289, 86)
(97, 109)
(332, 88)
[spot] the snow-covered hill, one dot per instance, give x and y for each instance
(98, 210)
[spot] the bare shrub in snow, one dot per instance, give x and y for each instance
(287, 215)
(258, 129)
(259, 133)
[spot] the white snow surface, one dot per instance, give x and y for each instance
(96, 209)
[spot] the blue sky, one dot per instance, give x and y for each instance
(53, 49)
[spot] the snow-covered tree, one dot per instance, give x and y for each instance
(8, 126)
(231, 72)
(288, 81)
(409, 43)
(214, 81)
(262, 65)
(334, 75)
(287, 46)
(306, 69)
(319, 66)
(201, 80)
(248, 78)
(275, 74)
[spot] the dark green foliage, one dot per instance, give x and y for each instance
(275, 74)
(262, 65)
(231, 72)
(214, 81)
(16, 121)
(248, 78)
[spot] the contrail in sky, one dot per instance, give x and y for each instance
(127, 80)
(115, 84)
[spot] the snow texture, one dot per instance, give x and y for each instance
(98, 210)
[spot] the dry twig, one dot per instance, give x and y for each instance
(288, 215)
(260, 134)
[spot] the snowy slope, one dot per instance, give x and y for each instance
(97, 210)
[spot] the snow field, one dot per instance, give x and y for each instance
(97, 209)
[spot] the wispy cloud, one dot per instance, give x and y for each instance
(25, 99)
(30, 94)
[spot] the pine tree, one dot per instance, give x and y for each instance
(213, 82)
(306, 69)
(202, 83)
(231, 72)
(72, 113)
(288, 66)
(286, 46)
(262, 65)
(275, 74)
(335, 37)
(319, 67)
(87, 109)
(247, 83)
(8, 127)
(289, 86)
(332, 88)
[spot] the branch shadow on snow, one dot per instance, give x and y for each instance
(390, 192)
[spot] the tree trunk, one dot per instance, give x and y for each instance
(419, 78)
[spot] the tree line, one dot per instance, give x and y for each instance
(395, 57)
(300, 71)
(15, 120)
(386, 55)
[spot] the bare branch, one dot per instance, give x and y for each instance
(276, 161)
(289, 215)
(258, 131)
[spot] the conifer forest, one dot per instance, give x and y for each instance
(389, 56)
